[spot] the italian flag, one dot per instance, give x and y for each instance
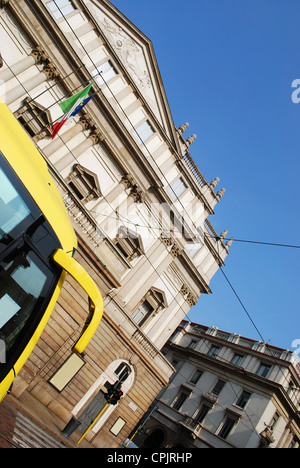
(70, 108)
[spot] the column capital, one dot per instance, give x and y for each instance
(51, 71)
(4, 3)
(39, 55)
(96, 136)
(137, 194)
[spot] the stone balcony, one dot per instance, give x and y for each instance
(192, 426)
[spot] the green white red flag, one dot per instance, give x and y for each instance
(71, 107)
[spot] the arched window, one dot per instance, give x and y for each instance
(123, 372)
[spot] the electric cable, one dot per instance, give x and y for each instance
(265, 243)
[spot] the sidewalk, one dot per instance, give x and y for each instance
(40, 421)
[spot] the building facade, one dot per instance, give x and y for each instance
(227, 392)
(138, 203)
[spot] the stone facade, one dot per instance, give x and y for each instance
(137, 200)
(227, 392)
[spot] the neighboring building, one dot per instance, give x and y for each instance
(227, 392)
(137, 200)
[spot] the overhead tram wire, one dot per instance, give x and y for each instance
(275, 358)
(154, 268)
(217, 238)
(168, 184)
(119, 105)
(271, 244)
(99, 91)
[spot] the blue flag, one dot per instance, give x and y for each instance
(81, 105)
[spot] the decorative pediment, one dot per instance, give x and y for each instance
(136, 53)
(129, 243)
(159, 296)
(84, 183)
(35, 118)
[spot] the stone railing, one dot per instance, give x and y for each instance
(193, 426)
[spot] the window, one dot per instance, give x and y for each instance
(193, 344)
(27, 279)
(196, 377)
(84, 184)
(152, 304)
(294, 443)
(180, 400)
(60, 8)
(243, 400)
(214, 351)
(13, 209)
(143, 132)
(177, 189)
(129, 244)
(104, 73)
(123, 372)
(237, 359)
(35, 119)
(227, 428)
(204, 410)
(263, 370)
(218, 387)
(143, 312)
(274, 421)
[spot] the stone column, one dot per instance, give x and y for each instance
(8, 73)
(94, 138)
(49, 72)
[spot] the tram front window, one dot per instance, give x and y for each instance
(28, 277)
(13, 210)
(22, 289)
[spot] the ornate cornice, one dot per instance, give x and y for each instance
(41, 58)
(135, 191)
(169, 242)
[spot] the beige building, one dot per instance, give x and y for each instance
(228, 392)
(138, 202)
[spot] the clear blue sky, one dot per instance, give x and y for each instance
(227, 68)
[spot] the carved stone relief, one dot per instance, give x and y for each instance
(132, 56)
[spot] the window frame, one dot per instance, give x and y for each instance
(202, 413)
(143, 132)
(195, 377)
(84, 184)
(214, 354)
(180, 399)
(129, 244)
(238, 358)
(61, 16)
(156, 304)
(264, 370)
(226, 429)
(219, 386)
(174, 191)
(243, 399)
(35, 119)
(104, 73)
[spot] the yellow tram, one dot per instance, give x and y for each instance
(37, 243)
